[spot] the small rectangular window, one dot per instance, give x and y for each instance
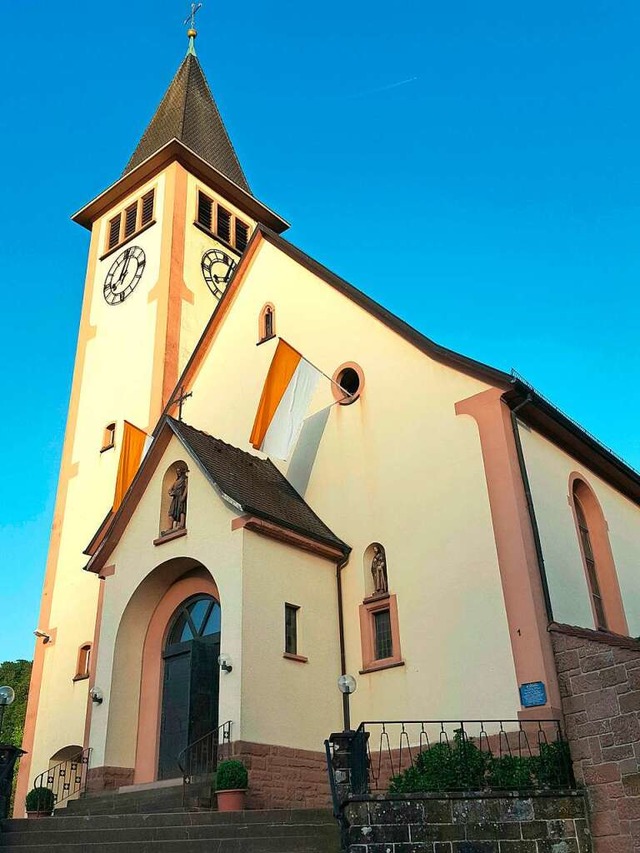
(147, 208)
(242, 235)
(108, 437)
(291, 629)
(205, 211)
(382, 634)
(224, 225)
(114, 231)
(131, 216)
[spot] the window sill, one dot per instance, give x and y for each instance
(299, 658)
(128, 240)
(107, 447)
(170, 536)
(385, 664)
(266, 340)
(217, 237)
(80, 677)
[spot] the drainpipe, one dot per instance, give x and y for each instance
(343, 657)
(532, 513)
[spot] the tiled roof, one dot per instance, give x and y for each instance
(189, 113)
(255, 484)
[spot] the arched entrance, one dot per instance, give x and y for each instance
(189, 708)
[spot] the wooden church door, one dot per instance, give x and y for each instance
(190, 681)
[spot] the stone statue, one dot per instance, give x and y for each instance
(178, 495)
(379, 570)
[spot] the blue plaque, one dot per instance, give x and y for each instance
(532, 694)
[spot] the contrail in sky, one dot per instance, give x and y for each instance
(385, 88)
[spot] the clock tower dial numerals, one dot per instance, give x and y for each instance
(217, 269)
(124, 274)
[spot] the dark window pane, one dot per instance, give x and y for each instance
(205, 208)
(592, 572)
(290, 629)
(213, 622)
(224, 224)
(382, 629)
(268, 323)
(199, 611)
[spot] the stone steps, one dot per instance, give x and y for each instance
(272, 831)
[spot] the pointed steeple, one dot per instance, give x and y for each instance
(189, 114)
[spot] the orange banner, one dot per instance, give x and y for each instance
(133, 440)
(283, 366)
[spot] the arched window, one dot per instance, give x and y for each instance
(173, 502)
(597, 558)
(267, 323)
(83, 667)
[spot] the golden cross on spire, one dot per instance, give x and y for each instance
(191, 18)
(191, 21)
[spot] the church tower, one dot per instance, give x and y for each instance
(165, 240)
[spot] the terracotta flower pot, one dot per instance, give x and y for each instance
(231, 801)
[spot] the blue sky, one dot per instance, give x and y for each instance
(472, 166)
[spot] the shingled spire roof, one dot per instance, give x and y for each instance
(189, 114)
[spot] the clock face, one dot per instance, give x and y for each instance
(217, 268)
(124, 275)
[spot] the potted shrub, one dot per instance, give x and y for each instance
(232, 781)
(40, 802)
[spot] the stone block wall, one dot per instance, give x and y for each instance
(468, 823)
(283, 778)
(599, 677)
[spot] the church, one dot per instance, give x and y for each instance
(269, 481)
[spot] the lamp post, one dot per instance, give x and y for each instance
(347, 685)
(7, 697)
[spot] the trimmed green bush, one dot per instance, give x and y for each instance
(231, 775)
(456, 766)
(40, 800)
(460, 766)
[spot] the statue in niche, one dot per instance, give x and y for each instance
(379, 570)
(178, 495)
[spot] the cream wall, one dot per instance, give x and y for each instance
(136, 588)
(287, 702)
(115, 383)
(549, 469)
(397, 467)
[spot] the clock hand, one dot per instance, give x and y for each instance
(229, 272)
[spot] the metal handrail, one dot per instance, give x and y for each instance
(67, 778)
(201, 756)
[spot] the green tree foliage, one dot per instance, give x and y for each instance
(17, 674)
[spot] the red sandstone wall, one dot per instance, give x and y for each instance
(599, 677)
(283, 778)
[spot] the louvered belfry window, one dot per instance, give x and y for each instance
(135, 217)
(131, 215)
(114, 231)
(242, 236)
(223, 228)
(205, 211)
(220, 222)
(147, 207)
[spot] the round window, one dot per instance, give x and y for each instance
(349, 382)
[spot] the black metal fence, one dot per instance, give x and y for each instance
(67, 779)
(450, 755)
(199, 760)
